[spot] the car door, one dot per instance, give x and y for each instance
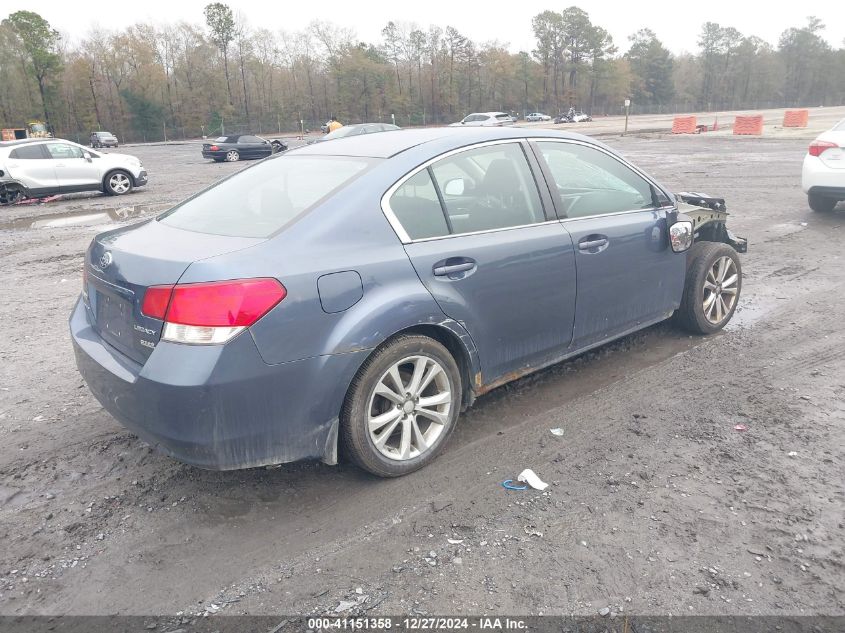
(73, 171)
(474, 227)
(628, 275)
(30, 165)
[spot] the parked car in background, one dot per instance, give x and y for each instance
(357, 295)
(40, 167)
(823, 173)
(485, 119)
(103, 139)
(538, 116)
(355, 130)
(241, 147)
(581, 117)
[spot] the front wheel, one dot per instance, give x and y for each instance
(820, 204)
(402, 406)
(118, 183)
(712, 288)
(232, 156)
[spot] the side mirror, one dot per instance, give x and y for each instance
(454, 187)
(681, 236)
(86, 156)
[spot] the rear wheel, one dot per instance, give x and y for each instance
(712, 288)
(820, 204)
(402, 406)
(232, 156)
(11, 193)
(117, 183)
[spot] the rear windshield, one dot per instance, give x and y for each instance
(503, 116)
(226, 139)
(260, 200)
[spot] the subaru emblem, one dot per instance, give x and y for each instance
(105, 260)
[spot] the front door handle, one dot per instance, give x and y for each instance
(589, 245)
(446, 269)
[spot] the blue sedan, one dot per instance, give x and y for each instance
(356, 296)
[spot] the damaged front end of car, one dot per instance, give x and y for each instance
(709, 218)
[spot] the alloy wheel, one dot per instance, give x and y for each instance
(409, 407)
(232, 156)
(720, 290)
(119, 183)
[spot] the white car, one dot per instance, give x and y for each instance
(823, 175)
(35, 168)
(485, 119)
(538, 116)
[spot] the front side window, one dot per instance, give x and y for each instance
(591, 182)
(260, 200)
(64, 151)
(481, 189)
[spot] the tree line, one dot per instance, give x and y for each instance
(220, 73)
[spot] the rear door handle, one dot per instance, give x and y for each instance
(445, 270)
(591, 244)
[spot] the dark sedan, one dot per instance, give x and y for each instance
(241, 147)
(357, 295)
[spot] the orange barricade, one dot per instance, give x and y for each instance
(749, 125)
(683, 125)
(796, 118)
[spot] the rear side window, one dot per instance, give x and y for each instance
(481, 189)
(503, 117)
(27, 152)
(591, 182)
(262, 199)
(416, 206)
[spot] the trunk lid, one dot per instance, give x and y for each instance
(121, 264)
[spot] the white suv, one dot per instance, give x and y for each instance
(34, 168)
(823, 175)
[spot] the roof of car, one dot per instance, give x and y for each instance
(387, 145)
(23, 141)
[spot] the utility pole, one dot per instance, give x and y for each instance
(627, 108)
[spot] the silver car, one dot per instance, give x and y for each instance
(35, 168)
(485, 119)
(538, 116)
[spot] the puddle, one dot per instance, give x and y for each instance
(84, 217)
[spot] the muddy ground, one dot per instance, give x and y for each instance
(657, 505)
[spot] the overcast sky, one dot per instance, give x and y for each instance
(676, 23)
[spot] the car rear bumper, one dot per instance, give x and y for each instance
(817, 177)
(208, 154)
(218, 407)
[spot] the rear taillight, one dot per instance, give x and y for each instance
(210, 313)
(155, 303)
(214, 148)
(817, 147)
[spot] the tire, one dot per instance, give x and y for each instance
(398, 454)
(820, 204)
(117, 183)
(699, 313)
(233, 156)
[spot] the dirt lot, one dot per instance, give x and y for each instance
(657, 505)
